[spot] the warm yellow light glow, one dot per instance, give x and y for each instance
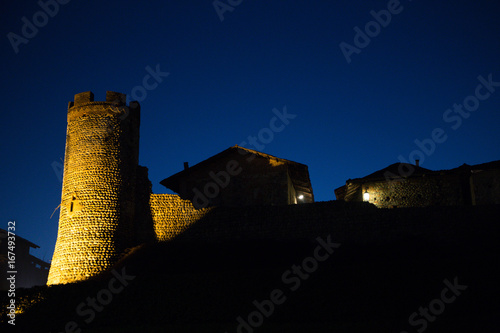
(301, 197)
(366, 196)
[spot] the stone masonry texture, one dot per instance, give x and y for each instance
(97, 201)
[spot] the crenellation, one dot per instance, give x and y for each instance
(84, 97)
(116, 98)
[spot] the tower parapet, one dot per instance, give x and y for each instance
(97, 201)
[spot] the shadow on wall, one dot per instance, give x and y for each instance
(177, 218)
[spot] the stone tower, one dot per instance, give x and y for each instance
(98, 194)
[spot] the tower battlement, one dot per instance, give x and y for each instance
(88, 97)
(115, 104)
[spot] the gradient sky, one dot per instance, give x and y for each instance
(226, 77)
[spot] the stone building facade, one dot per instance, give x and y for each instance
(239, 176)
(405, 185)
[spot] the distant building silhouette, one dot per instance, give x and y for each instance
(30, 271)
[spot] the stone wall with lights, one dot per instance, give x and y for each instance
(176, 218)
(429, 190)
(346, 222)
(465, 185)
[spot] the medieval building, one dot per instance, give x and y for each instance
(239, 176)
(107, 205)
(406, 185)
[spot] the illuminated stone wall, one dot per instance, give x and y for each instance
(465, 185)
(97, 201)
(422, 191)
(172, 215)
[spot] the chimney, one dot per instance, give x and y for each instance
(417, 162)
(186, 165)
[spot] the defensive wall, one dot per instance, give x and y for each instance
(360, 222)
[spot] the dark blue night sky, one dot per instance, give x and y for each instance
(346, 119)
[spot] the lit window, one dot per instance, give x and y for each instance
(366, 196)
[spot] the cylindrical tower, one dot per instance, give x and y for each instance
(97, 202)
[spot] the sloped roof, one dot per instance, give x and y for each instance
(4, 234)
(475, 167)
(299, 173)
(486, 166)
(394, 170)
